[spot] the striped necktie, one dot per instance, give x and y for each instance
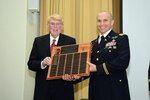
(52, 45)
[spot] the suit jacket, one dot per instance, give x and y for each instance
(111, 59)
(49, 89)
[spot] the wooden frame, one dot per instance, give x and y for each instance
(69, 59)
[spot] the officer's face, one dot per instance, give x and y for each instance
(104, 22)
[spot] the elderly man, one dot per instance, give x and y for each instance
(39, 61)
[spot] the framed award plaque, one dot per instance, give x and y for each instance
(69, 59)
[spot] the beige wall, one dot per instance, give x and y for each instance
(18, 27)
(13, 19)
(136, 20)
(29, 75)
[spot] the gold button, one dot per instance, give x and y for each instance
(97, 59)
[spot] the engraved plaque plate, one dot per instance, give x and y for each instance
(69, 59)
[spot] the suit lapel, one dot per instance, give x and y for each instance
(106, 39)
(47, 44)
(95, 44)
(109, 36)
(60, 40)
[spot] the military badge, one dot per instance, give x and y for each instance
(111, 44)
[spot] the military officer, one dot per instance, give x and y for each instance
(109, 60)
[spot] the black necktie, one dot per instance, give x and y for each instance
(102, 42)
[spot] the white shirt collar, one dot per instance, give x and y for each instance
(105, 34)
(51, 39)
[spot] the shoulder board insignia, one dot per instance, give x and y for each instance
(122, 34)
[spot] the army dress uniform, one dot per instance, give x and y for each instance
(111, 58)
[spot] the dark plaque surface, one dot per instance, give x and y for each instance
(69, 49)
(69, 59)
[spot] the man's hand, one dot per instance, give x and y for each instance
(46, 61)
(71, 77)
(92, 67)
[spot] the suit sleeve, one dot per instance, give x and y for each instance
(120, 61)
(34, 62)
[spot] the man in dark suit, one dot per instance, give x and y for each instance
(109, 60)
(39, 61)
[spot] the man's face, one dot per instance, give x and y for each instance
(55, 27)
(104, 22)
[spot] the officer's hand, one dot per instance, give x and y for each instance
(92, 66)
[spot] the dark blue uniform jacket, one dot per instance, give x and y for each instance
(111, 59)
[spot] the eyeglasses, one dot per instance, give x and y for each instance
(54, 24)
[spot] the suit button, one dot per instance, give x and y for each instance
(97, 51)
(120, 80)
(97, 59)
